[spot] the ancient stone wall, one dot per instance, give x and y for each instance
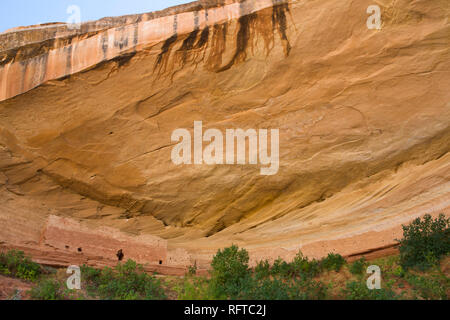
(70, 236)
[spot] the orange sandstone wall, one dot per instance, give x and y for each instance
(21, 74)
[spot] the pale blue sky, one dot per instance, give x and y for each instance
(14, 13)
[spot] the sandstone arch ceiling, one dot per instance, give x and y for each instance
(363, 119)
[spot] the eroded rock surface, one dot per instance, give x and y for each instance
(364, 119)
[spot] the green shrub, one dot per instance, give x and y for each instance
(192, 270)
(4, 270)
(356, 290)
(300, 267)
(15, 263)
(307, 289)
(49, 289)
(230, 274)
(333, 262)
(231, 278)
(430, 288)
(262, 270)
(303, 267)
(127, 281)
(268, 289)
(424, 242)
(399, 272)
(196, 289)
(358, 266)
(285, 289)
(280, 268)
(89, 274)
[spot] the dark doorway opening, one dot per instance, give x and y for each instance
(120, 255)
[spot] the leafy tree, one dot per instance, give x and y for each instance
(424, 242)
(230, 273)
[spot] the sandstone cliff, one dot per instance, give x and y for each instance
(86, 118)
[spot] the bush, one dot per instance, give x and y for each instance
(399, 272)
(192, 270)
(333, 262)
(303, 267)
(424, 242)
(283, 289)
(357, 267)
(430, 288)
(262, 270)
(15, 263)
(195, 289)
(358, 291)
(280, 268)
(230, 274)
(268, 289)
(231, 278)
(47, 290)
(308, 289)
(300, 267)
(126, 282)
